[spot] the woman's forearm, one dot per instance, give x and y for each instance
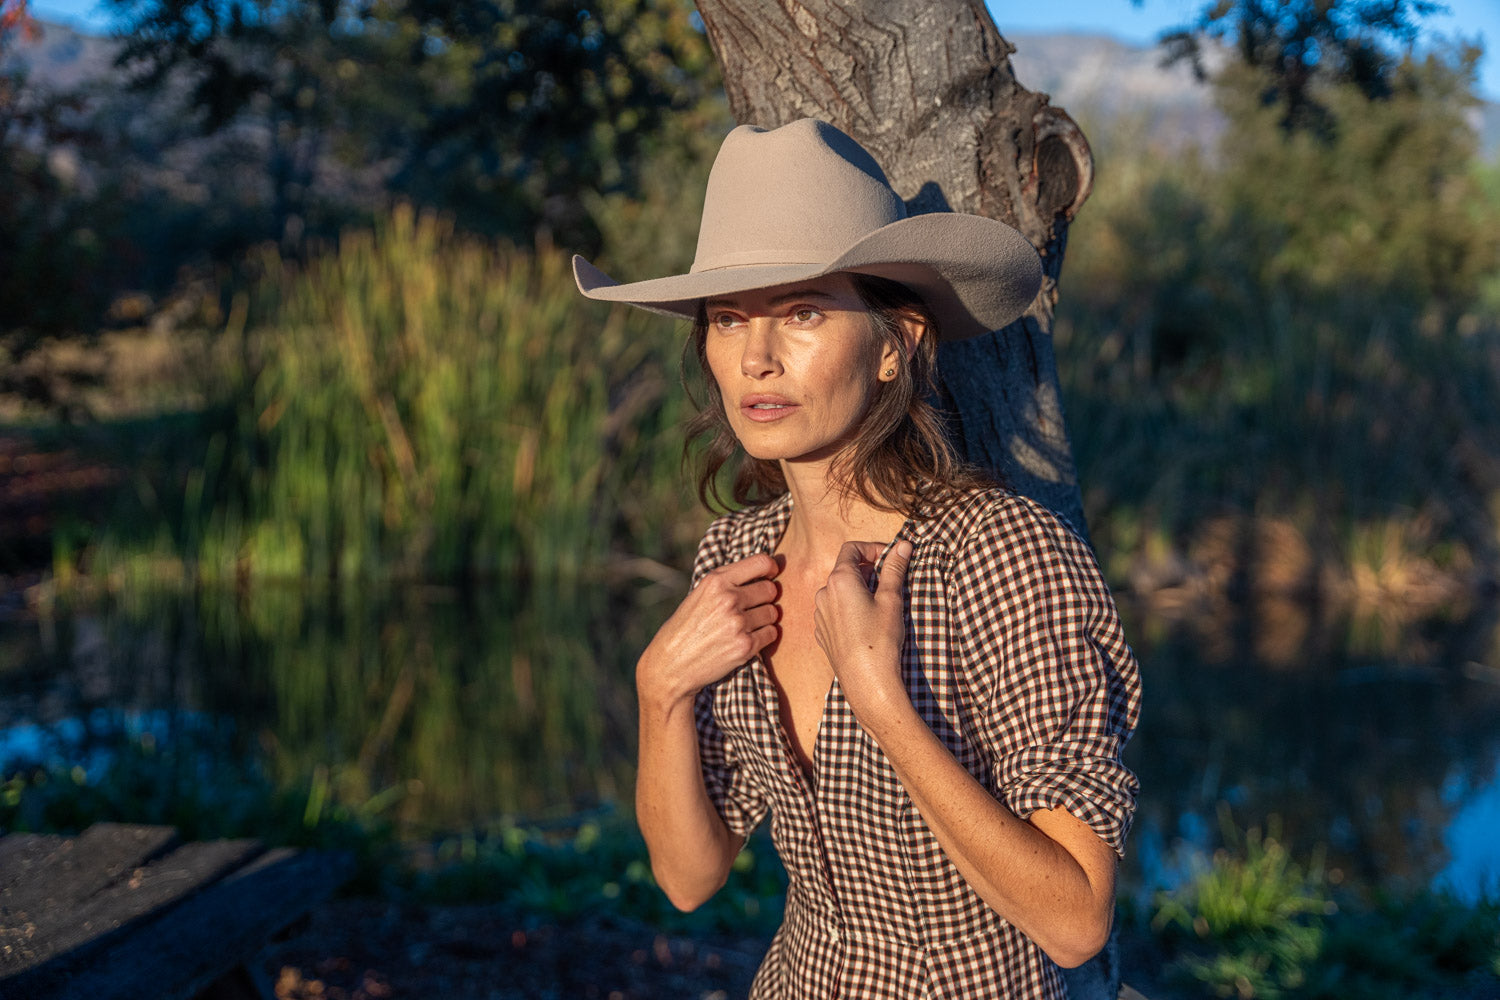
(1051, 877)
(691, 847)
(728, 617)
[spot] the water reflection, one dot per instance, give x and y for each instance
(461, 708)
(1370, 743)
(1380, 746)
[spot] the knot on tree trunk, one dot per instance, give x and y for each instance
(1062, 165)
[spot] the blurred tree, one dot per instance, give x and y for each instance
(51, 242)
(1294, 45)
(1343, 185)
(504, 111)
(1382, 206)
(1380, 219)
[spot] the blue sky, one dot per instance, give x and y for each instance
(1470, 19)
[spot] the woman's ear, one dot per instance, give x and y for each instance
(913, 329)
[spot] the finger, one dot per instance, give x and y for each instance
(758, 566)
(761, 616)
(758, 592)
(864, 556)
(763, 637)
(863, 552)
(893, 570)
(854, 557)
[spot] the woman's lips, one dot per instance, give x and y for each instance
(766, 409)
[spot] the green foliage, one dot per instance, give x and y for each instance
(1423, 944)
(57, 242)
(1382, 207)
(598, 867)
(427, 405)
(1255, 923)
(1237, 332)
(194, 782)
(654, 230)
(1263, 914)
(595, 865)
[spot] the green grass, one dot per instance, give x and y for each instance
(1258, 924)
(418, 404)
(589, 864)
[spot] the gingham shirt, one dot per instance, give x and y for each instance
(1015, 657)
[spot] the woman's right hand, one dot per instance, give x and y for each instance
(727, 618)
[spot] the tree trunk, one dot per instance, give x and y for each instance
(926, 86)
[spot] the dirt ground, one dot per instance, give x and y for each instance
(363, 949)
(372, 950)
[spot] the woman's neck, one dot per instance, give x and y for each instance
(824, 517)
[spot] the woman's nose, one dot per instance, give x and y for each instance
(761, 358)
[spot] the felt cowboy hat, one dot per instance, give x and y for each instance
(805, 200)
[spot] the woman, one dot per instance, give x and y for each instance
(919, 675)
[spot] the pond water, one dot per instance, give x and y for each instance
(1374, 747)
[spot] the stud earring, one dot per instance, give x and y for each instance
(890, 373)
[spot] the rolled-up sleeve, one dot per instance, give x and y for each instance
(1060, 686)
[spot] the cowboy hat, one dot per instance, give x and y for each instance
(805, 200)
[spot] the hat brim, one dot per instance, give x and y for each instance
(975, 274)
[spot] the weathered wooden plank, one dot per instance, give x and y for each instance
(81, 866)
(71, 934)
(49, 878)
(19, 851)
(197, 941)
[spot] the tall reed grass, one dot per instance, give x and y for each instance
(421, 404)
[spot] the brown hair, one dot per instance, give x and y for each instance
(900, 460)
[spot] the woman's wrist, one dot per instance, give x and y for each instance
(657, 690)
(884, 712)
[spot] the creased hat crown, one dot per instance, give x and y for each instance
(764, 211)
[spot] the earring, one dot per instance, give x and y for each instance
(890, 373)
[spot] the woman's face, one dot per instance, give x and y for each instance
(796, 365)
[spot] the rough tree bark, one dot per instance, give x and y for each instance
(927, 87)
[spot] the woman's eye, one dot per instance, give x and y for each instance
(723, 321)
(805, 315)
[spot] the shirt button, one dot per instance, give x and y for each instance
(833, 932)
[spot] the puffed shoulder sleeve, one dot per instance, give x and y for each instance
(1059, 685)
(738, 801)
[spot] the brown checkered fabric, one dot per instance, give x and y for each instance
(1015, 657)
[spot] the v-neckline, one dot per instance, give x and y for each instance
(768, 541)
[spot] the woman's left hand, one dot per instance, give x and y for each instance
(861, 632)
